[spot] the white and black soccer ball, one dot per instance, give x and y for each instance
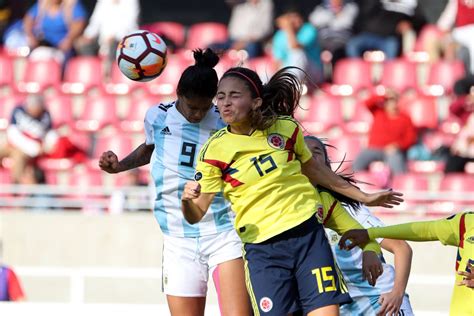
(141, 55)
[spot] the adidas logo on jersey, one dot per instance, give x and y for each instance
(165, 131)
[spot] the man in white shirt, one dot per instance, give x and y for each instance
(110, 21)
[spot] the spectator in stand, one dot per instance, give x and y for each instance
(334, 20)
(457, 22)
(382, 26)
(54, 24)
(10, 11)
(10, 288)
(390, 135)
(111, 20)
(463, 106)
(251, 23)
(28, 135)
(462, 151)
(296, 43)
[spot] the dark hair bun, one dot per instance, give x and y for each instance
(205, 58)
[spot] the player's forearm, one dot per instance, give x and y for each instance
(137, 158)
(419, 231)
(191, 212)
(319, 173)
(403, 256)
(327, 178)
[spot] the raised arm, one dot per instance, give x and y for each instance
(402, 252)
(318, 173)
(444, 230)
(139, 157)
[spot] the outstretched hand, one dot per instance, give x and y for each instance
(387, 198)
(357, 237)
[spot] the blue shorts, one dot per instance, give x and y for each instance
(293, 271)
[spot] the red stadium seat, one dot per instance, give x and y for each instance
(122, 179)
(86, 178)
(167, 82)
(442, 76)
(436, 139)
(121, 145)
(422, 110)
(99, 111)
(427, 34)
(324, 113)
(133, 121)
(410, 182)
(200, 35)
(60, 108)
(7, 104)
(360, 121)
(352, 73)
(400, 75)
(6, 71)
(119, 84)
(172, 30)
(457, 182)
(425, 166)
(40, 75)
(55, 164)
(264, 66)
(345, 149)
(82, 74)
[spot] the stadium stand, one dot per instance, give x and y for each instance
(34, 79)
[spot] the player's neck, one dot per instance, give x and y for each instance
(241, 129)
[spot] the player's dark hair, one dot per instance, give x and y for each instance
(349, 177)
(280, 96)
(200, 79)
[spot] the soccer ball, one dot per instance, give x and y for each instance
(141, 55)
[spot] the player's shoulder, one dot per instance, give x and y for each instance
(287, 121)
(158, 112)
(216, 144)
(465, 218)
(285, 125)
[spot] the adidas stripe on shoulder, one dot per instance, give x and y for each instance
(165, 107)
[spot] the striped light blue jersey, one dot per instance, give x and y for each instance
(350, 262)
(177, 144)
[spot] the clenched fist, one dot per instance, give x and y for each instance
(109, 162)
(192, 190)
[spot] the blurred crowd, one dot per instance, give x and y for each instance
(329, 41)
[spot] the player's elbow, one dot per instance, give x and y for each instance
(192, 214)
(191, 219)
(403, 248)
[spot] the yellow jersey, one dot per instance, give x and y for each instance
(456, 230)
(260, 174)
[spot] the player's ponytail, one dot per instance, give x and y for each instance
(280, 96)
(200, 79)
(205, 58)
